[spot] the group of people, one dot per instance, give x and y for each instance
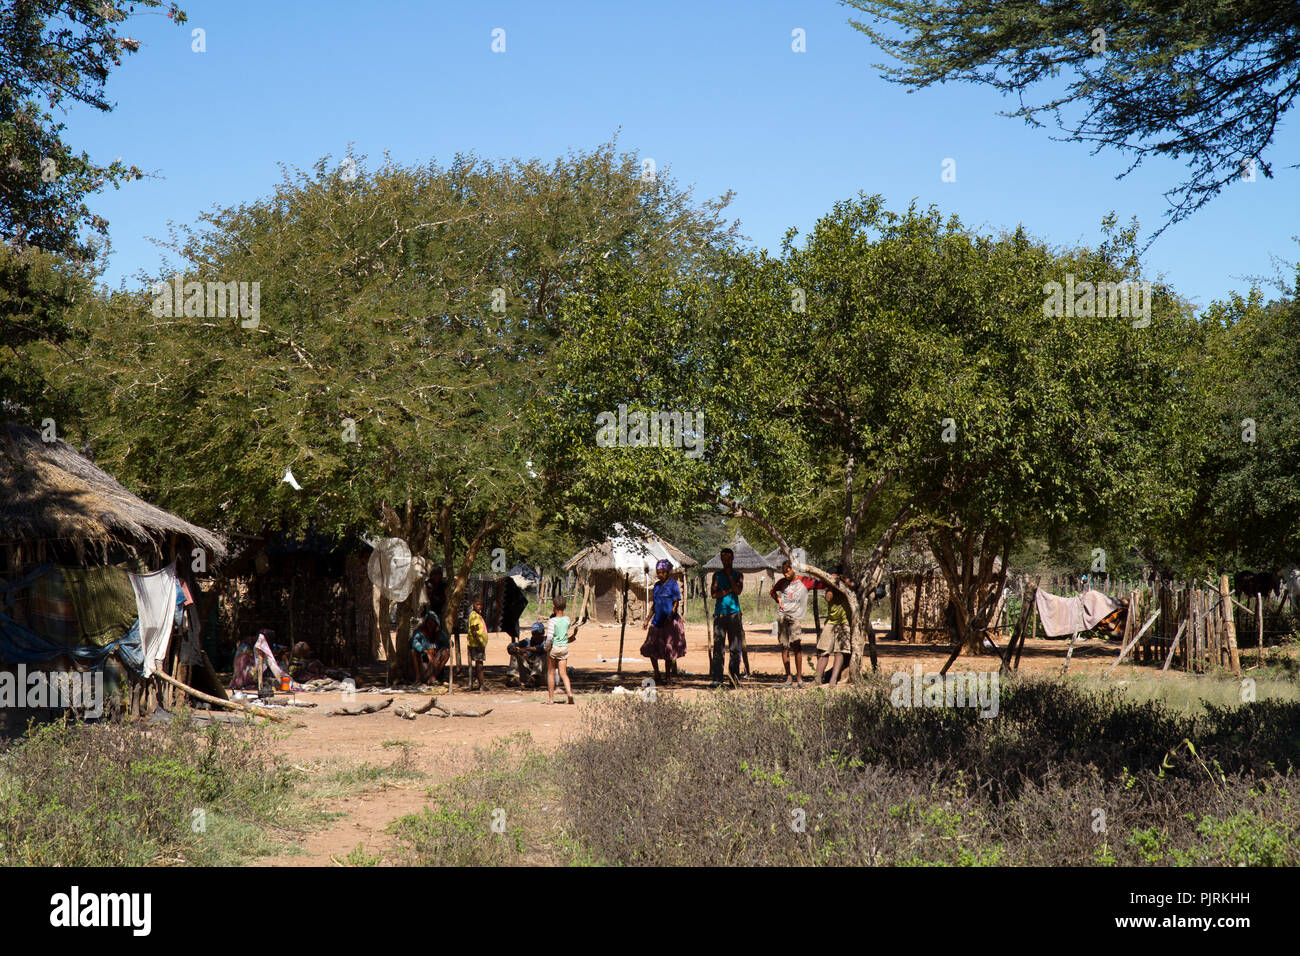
(547, 645)
(666, 630)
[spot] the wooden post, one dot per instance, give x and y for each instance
(1173, 645)
(708, 620)
(1130, 644)
(1229, 625)
(1069, 652)
(623, 629)
(1259, 616)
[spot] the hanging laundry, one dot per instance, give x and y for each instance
(1060, 616)
(155, 598)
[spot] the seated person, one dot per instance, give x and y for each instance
(528, 658)
(432, 641)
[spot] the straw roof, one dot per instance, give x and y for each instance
(746, 559)
(49, 491)
(600, 556)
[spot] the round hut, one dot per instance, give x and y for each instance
(624, 559)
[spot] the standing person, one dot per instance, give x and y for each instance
(834, 646)
(791, 599)
(476, 640)
(727, 586)
(436, 589)
(665, 630)
(557, 638)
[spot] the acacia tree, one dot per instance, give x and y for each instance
(405, 319)
(900, 357)
(1209, 80)
(53, 54)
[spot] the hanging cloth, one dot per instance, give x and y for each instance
(155, 599)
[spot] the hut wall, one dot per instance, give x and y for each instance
(301, 597)
(919, 605)
(607, 602)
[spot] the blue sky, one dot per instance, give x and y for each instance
(712, 90)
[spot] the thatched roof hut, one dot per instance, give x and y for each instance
(745, 558)
(602, 567)
(52, 495)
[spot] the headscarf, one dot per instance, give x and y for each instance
(663, 564)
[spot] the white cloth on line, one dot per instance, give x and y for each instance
(155, 601)
(1063, 616)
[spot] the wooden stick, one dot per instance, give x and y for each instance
(623, 629)
(232, 704)
(1069, 652)
(363, 709)
(1129, 646)
(1173, 645)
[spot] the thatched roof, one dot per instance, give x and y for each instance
(48, 491)
(746, 559)
(600, 556)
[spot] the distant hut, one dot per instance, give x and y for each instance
(919, 601)
(604, 567)
(69, 533)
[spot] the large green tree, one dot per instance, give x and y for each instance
(894, 371)
(404, 319)
(53, 54)
(1208, 81)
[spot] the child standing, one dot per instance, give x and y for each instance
(833, 646)
(791, 599)
(477, 640)
(557, 637)
(665, 631)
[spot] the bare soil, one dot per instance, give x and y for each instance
(441, 747)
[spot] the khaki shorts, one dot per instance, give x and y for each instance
(559, 653)
(789, 631)
(835, 640)
(478, 653)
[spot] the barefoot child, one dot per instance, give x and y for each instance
(477, 640)
(665, 631)
(833, 647)
(791, 599)
(557, 636)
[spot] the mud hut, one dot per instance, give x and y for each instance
(603, 567)
(919, 605)
(69, 535)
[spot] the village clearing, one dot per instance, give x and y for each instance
(365, 772)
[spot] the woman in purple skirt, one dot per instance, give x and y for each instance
(665, 630)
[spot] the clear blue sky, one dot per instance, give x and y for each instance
(711, 89)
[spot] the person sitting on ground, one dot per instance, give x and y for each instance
(558, 639)
(431, 641)
(476, 640)
(528, 657)
(244, 676)
(791, 599)
(665, 631)
(833, 645)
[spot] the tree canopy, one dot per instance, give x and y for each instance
(1208, 81)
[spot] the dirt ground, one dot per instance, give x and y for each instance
(442, 747)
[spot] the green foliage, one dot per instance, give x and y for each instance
(55, 54)
(1247, 496)
(1203, 79)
